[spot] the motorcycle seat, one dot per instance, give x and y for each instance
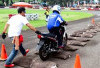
(48, 35)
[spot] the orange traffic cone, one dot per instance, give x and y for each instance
(93, 22)
(3, 53)
(77, 62)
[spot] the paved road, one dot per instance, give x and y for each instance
(89, 54)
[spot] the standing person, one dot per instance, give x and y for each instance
(15, 25)
(47, 13)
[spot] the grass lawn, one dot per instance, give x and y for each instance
(67, 15)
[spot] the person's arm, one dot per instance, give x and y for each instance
(4, 31)
(5, 28)
(62, 21)
(31, 27)
(25, 22)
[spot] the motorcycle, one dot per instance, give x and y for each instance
(48, 43)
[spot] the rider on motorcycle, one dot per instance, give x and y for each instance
(54, 26)
(54, 22)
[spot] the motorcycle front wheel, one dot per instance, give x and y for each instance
(65, 39)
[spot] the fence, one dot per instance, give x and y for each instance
(32, 16)
(28, 16)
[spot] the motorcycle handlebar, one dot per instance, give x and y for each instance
(64, 23)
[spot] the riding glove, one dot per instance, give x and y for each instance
(37, 32)
(4, 35)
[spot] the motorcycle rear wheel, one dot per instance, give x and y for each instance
(43, 52)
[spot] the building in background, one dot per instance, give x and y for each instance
(76, 3)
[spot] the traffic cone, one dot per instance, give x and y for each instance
(93, 22)
(77, 62)
(3, 53)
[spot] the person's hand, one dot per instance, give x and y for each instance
(64, 23)
(37, 32)
(4, 35)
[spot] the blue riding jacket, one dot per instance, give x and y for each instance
(54, 20)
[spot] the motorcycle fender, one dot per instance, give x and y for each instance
(41, 42)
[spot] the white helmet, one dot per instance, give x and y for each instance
(56, 8)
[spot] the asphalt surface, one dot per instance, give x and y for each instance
(89, 54)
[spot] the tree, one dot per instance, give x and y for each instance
(11, 1)
(7, 2)
(2, 1)
(59, 2)
(22, 0)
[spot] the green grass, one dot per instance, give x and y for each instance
(67, 15)
(71, 16)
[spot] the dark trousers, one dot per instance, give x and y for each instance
(47, 16)
(56, 31)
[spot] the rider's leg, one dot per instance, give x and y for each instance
(62, 30)
(59, 36)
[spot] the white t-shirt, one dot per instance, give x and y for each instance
(16, 23)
